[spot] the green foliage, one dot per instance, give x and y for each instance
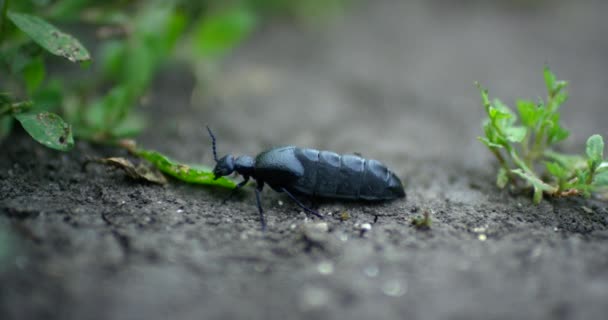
(49, 37)
(20, 58)
(133, 39)
(220, 32)
(48, 129)
(526, 152)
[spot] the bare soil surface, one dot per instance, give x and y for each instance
(392, 80)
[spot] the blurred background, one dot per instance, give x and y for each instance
(389, 79)
(379, 77)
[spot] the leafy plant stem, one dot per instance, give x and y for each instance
(3, 11)
(14, 108)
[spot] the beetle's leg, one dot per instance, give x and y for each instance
(301, 205)
(257, 198)
(238, 186)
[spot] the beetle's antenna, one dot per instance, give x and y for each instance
(212, 143)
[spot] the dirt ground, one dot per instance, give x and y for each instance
(392, 80)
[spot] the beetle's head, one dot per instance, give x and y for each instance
(224, 166)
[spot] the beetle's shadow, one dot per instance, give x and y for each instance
(320, 203)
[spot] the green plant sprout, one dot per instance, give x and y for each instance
(422, 222)
(43, 126)
(526, 152)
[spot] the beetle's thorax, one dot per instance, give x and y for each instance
(244, 165)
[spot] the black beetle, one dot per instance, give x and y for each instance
(311, 172)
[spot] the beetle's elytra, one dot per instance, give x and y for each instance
(313, 173)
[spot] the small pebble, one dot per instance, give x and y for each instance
(314, 298)
(371, 271)
(394, 288)
(479, 230)
(325, 268)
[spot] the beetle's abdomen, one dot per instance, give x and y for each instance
(327, 174)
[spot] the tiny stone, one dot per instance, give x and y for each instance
(394, 288)
(180, 210)
(314, 298)
(479, 230)
(260, 267)
(371, 271)
(344, 216)
(325, 268)
(319, 226)
(21, 262)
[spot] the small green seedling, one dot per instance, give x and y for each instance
(525, 150)
(422, 222)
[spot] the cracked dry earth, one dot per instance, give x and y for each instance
(389, 79)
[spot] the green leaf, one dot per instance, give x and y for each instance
(113, 54)
(549, 80)
(534, 180)
(538, 185)
(484, 97)
(33, 74)
(219, 32)
(556, 170)
(602, 167)
(515, 134)
(186, 173)
(566, 160)
(5, 98)
(68, 10)
(529, 112)
(595, 151)
(140, 172)
(48, 129)
(601, 180)
(49, 97)
(488, 143)
(558, 99)
(557, 134)
(498, 114)
(105, 112)
(130, 126)
(502, 178)
(49, 37)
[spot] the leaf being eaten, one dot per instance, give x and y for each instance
(140, 172)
